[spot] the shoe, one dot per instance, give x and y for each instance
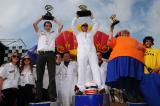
(77, 91)
(102, 91)
(53, 99)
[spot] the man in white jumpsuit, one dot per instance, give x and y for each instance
(86, 54)
(68, 80)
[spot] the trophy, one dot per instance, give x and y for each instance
(114, 20)
(48, 15)
(83, 11)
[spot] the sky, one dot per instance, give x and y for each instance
(140, 17)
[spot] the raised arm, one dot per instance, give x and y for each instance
(111, 33)
(60, 26)
(95, 25)
(35, 24)
(73, 25)
(111, 41)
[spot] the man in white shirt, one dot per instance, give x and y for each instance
(46, 54)
(67, 80)
(86, 54)
(103, 68)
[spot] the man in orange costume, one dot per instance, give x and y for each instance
(126, 65)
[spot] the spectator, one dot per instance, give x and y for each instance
(58, 59)
(27, 82)
(103, 69)
(68, 79)
(9, 76)
(152, 56)
(150, 85)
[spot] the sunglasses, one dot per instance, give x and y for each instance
(14, 56)
(26, 59)
(84, 25)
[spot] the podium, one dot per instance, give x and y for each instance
(91, 100)
(137, 104)
(45, 104)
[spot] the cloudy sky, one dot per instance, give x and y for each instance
(141, 17)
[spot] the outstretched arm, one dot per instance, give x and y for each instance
(35, 24)
(60, 26)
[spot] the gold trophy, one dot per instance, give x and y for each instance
(84, 12)
(48, 15)
(114, 20)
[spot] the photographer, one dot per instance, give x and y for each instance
(46, 54)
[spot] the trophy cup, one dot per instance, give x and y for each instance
(48, 15)
(83, 11)
(114, 20)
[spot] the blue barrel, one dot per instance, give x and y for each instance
(137, 104)
(40, 104)
(91, 100)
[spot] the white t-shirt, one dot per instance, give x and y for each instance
(10, 73)
(46, 41)
(27, 77)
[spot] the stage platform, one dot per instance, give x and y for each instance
(91, 100)
(45, 104)
(128, 104)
